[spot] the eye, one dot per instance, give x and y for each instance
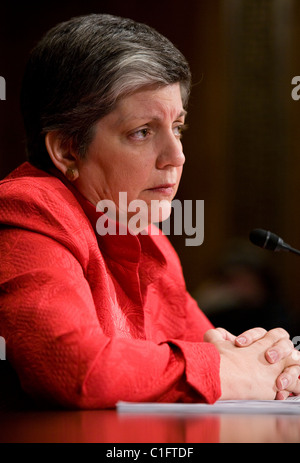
(140, 134)
(179, 129)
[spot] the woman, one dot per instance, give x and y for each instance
(91, 318)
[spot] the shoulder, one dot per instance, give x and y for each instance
(29, 185)
(34, 200)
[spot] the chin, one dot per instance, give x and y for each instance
(160, 210)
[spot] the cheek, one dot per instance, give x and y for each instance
(179, 172)
(131, 178)
(137, 174)
(128, 181)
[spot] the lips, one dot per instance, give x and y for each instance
(165, 189)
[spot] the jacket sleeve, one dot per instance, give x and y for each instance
(59, 351)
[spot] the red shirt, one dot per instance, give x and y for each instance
(89, 320)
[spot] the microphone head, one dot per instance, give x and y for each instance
(267, 240)
(264, 239)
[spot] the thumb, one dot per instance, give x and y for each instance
(215, 335)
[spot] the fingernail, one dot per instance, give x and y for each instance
(273, 355)
(284, 383)
(242, 340)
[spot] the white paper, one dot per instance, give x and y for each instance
(291, 406)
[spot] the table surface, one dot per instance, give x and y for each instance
(108, 426)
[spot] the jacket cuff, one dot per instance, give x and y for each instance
(202, 368)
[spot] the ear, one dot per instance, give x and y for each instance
(62, 154)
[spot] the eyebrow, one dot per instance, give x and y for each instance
(182, 113)
(146, 116)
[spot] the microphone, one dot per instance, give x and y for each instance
(267, 240)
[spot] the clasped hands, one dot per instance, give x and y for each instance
(257, 364)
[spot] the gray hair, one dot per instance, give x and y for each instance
(82, 67)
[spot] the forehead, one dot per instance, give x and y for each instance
(158, 104)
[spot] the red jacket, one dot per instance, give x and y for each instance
(89, 320)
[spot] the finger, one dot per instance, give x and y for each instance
(295, 356)
(288, 381)
(280, 350)
(250, 336)
(214, 335)
(226, 335)
(276, 334)
(282, 395)
(270, 340)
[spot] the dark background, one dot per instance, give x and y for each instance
(242, 154)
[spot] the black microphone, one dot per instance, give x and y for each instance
(267, 240)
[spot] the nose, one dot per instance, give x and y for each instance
(170, 152)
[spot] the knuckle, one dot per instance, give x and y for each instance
(290, 345)
(286, 345)
(260, 331)
(212, 335)
(255, 332)
(208, 334)
(294, 372)
(222, 331)
(295, 357)
(279, 333)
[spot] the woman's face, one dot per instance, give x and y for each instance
(136, 150)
